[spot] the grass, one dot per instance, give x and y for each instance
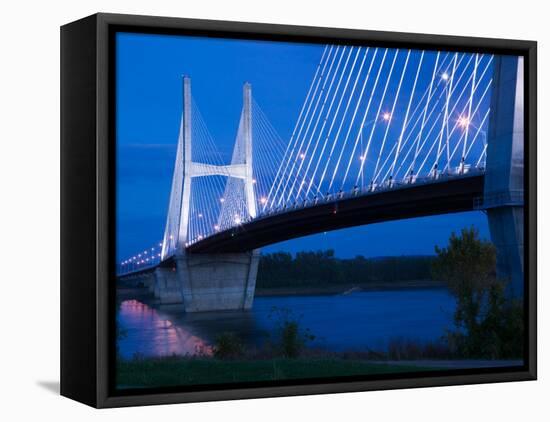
(177, 371)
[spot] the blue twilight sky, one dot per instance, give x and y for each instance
(149, 98)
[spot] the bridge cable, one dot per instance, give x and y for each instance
(282, 177)
(391, 114)
(301, 154)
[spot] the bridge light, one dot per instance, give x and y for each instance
(445, 76)
(254, 181)
(222, 200)
(361, 158)
(145, 252)
(463, 121)
(200, 215)
(171, 237)
(160, 245)
(263, 200)
(302, 156)
(238, 220)
(216, 227)
(386, 116)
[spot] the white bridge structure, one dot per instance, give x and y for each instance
(382, 134)
(185, 169)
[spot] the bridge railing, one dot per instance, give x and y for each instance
(141, 261)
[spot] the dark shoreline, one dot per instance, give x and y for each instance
(339, 289)
(343, 289)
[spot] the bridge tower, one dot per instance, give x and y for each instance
(247, 134)
(204, 282)
(187, 167)
(503, 191)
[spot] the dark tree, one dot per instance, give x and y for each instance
(487, 323)
(318, 268)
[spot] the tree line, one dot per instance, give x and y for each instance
(318, 268)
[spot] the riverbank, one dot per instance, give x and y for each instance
(142, 293)
(180, 371)
(334, 289)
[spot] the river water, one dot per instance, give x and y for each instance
(357, 321)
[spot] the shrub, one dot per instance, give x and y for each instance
(289, 338)
(228, 346)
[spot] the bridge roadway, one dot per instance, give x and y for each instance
(449, 195)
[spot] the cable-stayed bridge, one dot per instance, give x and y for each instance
(383, 134)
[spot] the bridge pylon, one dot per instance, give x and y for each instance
(504, 184)
(186, 169)
(247, 134)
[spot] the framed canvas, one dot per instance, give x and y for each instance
(253, 210)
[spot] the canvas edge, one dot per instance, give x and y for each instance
(104, 21)
(78, 357)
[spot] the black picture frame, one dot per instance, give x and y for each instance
(88, 199)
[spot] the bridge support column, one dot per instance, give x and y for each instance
(213, 282)
(150, 283)
(506, 227)
(167, 287)
(141, 280)
(503, 192)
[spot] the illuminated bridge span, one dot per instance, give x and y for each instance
(383, 134)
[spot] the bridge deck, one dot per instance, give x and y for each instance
(416, 200)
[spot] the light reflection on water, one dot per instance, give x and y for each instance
(358, 321)
(146, 332)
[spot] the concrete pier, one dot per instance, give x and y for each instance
(167, 287)
(209, 282)
(504, 184)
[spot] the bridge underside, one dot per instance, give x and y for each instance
(416, 200)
